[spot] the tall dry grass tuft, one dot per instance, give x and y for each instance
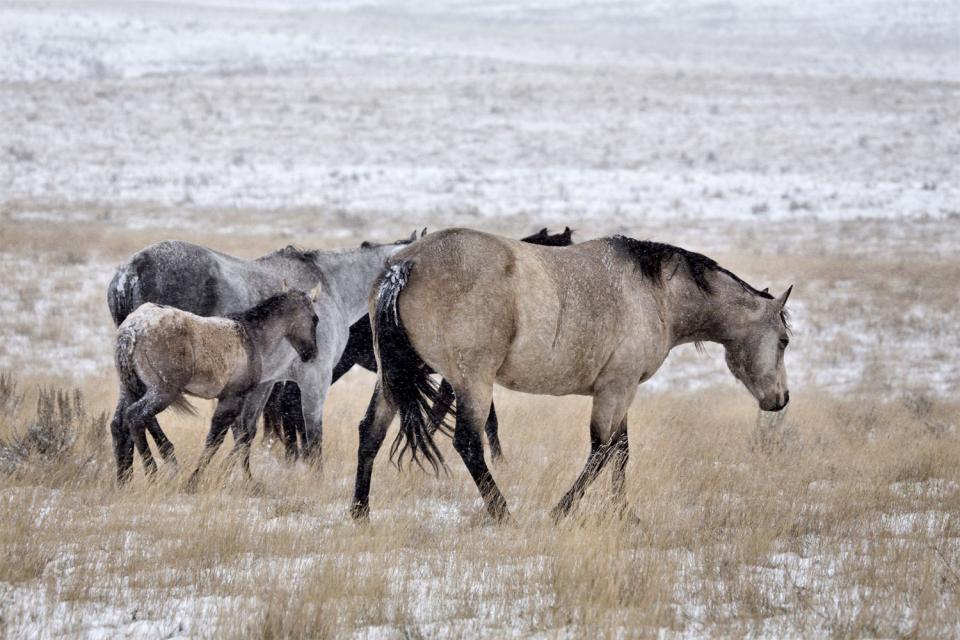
(61, 439)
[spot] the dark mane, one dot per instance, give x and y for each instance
(261, 311)
(651, 256)
(293, 252)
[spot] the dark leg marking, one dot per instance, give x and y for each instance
(228, 410)
(493, 438)
(122, 441)
(468, 443)
(373, 429)
(600, 454)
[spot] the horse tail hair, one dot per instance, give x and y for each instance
(182, 406)
(123, 358)
(405, 377)
(122, 298)
(127, 372)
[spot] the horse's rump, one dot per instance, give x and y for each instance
(169, 345)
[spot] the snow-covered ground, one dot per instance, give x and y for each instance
(822, 133)
(809, 142)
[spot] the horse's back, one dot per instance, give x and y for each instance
(541, 319)
(172, 346)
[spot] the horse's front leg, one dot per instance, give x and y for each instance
(245, 429)
(228, 410)
(292, 423)
(492, 429)
(314, 384)
(608, 415)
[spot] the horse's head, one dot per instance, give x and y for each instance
(302, 326)
(544, 237)
(755, 352)
(366, 244)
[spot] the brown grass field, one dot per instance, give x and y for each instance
(845, 524)
(843, 521)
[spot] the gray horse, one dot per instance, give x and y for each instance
(596, 319)
(209, 283)
(162, 353)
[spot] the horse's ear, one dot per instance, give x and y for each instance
(423, 232)
(782, 300)
(413, 236)
(315, 292)
(766, 290)
(567, 232)
(543, 233)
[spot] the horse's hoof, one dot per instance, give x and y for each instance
(360, 513)
(191, 485)
(558, 514)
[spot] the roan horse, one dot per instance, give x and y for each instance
(162, 353)
(282, 418)
(596, 319)
(209, 283)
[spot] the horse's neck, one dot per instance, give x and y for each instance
(267, 335)
(349, 275)
(698, 316)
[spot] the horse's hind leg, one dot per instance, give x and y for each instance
(609, 409)
(164, 446)
(373, 428)
(122, 440)
(445, 400)
(136, 417)
(473, 406)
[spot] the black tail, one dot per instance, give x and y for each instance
(405, 376)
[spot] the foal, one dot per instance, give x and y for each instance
(162, 353)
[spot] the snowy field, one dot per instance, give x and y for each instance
(816, 146)
(814, 143)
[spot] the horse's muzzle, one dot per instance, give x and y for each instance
(775, 402)
(307, 355)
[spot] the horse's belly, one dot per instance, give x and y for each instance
(547, 376)
(205, 388)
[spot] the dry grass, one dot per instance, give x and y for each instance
(851, 529)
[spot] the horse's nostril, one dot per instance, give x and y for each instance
(786, 398)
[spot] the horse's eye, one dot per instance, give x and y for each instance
(784, 342)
